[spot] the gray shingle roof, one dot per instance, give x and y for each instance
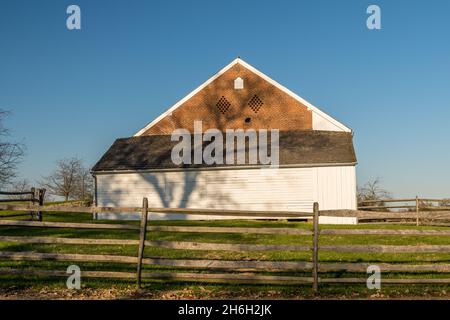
(295, 148)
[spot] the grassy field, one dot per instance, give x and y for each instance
(39, 287)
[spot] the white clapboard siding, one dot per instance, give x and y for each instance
(293, 189)
(336, 187)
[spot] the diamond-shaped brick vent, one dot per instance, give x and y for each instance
(255, 103)
(223, 105)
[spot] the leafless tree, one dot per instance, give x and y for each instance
(18, 186)
(21, 185)
(85, 186)
(68, 180)
(11, 153)
(372, 190)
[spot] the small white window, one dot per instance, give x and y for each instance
(238, 83)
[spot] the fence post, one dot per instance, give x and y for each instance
(41, 202)
(33, 199)
(417, 211)
(33, 193)
(315, 257)
(143, 232)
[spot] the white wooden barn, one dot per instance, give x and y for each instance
(316, 155)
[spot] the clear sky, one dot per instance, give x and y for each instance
(72, 93)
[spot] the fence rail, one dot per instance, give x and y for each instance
(244, 268)
(77, 225)
(405, 200)
(419, 206)
(36, 196)
(419, 217)
(193, 211)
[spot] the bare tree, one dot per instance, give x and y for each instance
(372, 190)
(18, 186)
(85, 186)
(68, 180)
(11, 153)
(21, 185)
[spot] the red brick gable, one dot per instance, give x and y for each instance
(259, 105)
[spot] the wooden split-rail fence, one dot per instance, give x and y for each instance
(232, 271)
(34, 196)
(418, 209)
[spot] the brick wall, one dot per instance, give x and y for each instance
(272, 109)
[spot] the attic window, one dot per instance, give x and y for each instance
(238, 83)
(223, 105)
(255, 103)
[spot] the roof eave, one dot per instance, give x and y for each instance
(238, 167)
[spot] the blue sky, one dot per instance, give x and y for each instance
(72, 93)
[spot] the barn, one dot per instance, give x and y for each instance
(315, 155)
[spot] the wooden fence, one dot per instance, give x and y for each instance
(232, 271)
(34, 196)
(417, 208)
